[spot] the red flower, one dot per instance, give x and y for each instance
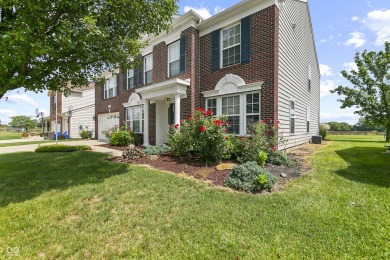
(226, 137)
(202, 129)
(282, 133)
(177, 126)
(226, 131)
(274, 148)
(250, 133)
(181, 121)
(240, 138)
(201, 109)
(263, 121)
(278, 121)
(218, 122)
(269, 119)
(190, 118)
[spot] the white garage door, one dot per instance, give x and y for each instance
(106, 122)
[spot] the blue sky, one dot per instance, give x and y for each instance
(341, 27)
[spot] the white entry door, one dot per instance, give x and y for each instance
(106, 122)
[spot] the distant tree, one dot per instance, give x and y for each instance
(23, 122)
(365, 125)
(46, 44)
(371, 87)
(340, 126)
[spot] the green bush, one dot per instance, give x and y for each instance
(86, 134)
(261, 158)
(121, 138)
(202, 135)
(323, 131)
(61, 148)
(61, 137)
(160, 149)
(245, 177)
(279, 158)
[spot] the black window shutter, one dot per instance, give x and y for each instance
(140, 74)
(117, 83)
(215, 46)
(182, 54)
(136, 78)
(124, 79)
(245, 39)
(101, 91)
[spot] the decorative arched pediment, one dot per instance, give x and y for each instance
(229, 84)
(134, 100)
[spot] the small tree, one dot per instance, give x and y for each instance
(371, 87)
(23, 122)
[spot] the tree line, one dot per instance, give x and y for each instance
(361, 125)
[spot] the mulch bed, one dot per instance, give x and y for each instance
(199, 170)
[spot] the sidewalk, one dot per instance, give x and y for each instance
(31, 147)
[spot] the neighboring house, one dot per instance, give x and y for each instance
(254, 61)
(75, 111)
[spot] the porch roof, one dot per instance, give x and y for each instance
(164, 89)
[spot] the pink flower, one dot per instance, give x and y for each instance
(202, 129)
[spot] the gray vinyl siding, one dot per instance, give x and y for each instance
(296, 52)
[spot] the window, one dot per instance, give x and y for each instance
(292, 117)
(309, 78)
(135, 118)
(231, 45)
(231, 108)
(252, 108)
(130, 79)
(110, 88)
(174, 59)
(308, 119)
(241, 110)
(148, 68)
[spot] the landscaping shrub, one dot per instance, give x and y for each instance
(86, 134)
(202, 135)
(160, 149)
(61, 137)
(279, 158)
(323, 131)
(247, 177)
(25, 134)
(261, 158)
(61, 148)
(120, 136)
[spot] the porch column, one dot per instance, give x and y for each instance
(177, 109)
(146, 123)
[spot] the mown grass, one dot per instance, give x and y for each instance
(80, 206)
(10, 135)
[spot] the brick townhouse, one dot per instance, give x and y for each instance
(255, 60)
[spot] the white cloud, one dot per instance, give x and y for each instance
(22, 99)
(355, 18)
(325, 70)
(204, 11)
(331, 37)
(5, 115)
(357, 39)
(350, 66)
(379, 22)
(342, 115)
(326, 86)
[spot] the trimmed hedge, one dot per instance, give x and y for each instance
(61, 148)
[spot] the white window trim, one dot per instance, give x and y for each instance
(243, 111)
(128, 77)
(131, 120)
(114, 88)
(175, 42)
(145, 71)
(221, 45)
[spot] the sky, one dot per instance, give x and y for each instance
(341, 27)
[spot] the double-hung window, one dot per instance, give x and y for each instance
(292, 116)
(135, 118)
(110, 88)
(130, 79)
(231, 45)
(148, 68)
(174, 59)
(241, 110)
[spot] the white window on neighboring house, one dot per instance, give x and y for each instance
(241, 110)
(292, 116)
(308, 119)
(110, 88)
(135, 118)
(174, 59)
(231, 45)
(130, 79)
(309, 78)
(148, 69)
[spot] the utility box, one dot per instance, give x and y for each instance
(316, 139)
(51, 135)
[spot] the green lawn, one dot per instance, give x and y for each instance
(10, 135)
(80, 206)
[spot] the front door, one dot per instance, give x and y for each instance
(171, 114)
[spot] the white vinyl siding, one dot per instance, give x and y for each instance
(148, 69)
(174, 59)
(110, 88)
(135, 118)
(231, 45)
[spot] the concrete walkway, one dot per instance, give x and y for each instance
(22, 140)
(31, 147)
